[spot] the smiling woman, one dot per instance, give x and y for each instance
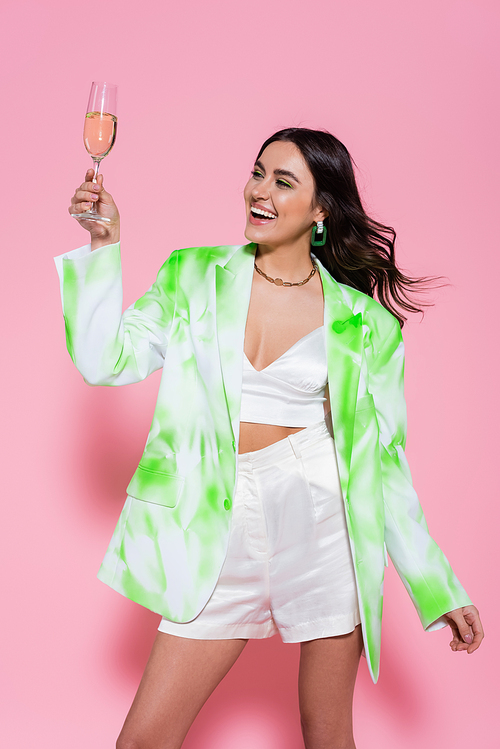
(274, 480)
(275, 323)
(281, 198)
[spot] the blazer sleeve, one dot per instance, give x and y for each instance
(420, 563)
(108, 346)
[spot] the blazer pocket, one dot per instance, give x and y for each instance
(156, 487)
(365, 402)
(365, 415)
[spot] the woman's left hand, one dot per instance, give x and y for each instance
(466, 627)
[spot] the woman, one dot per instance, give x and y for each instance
(245, 517)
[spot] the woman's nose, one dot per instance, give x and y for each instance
(260, 190)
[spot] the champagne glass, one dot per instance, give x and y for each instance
(99, 133)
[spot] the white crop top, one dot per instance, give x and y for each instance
(290, 391)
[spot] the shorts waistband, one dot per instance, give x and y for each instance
(287, 447)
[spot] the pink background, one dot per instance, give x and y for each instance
(412, 90)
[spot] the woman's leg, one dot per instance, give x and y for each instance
(327, 674)
(179, 677)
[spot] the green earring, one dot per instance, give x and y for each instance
(319, 230)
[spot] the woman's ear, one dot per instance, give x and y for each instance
(320, 214)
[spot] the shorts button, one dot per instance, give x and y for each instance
(227, 504)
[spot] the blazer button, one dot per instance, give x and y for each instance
(227, 504)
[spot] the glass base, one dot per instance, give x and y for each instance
(88, 216)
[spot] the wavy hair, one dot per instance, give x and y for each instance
(359, 251)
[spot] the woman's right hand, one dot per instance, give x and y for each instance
(93, 192)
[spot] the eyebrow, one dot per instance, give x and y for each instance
(279, 172)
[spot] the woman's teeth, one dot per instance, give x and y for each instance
(260, 212)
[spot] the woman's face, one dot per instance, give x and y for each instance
(282, 186)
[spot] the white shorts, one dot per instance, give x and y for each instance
(288, 567)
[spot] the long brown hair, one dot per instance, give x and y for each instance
(359, 251)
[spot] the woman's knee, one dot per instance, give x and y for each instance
(323, 735)
(126, 741)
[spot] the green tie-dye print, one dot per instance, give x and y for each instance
(170, 541)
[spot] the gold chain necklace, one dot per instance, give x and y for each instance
(280, 282)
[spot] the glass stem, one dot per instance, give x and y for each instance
(96, 172)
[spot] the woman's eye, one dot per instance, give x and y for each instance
(255, 173)
(283, 182)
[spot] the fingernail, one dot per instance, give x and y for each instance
(96, 187)
(468, 638)
(87, 205)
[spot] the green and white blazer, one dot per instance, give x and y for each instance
(171, 538)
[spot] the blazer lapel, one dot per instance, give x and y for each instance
(344, 348)
(233, 286)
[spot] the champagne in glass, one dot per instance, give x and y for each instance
(99, 133)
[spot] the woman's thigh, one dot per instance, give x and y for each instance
(327, 675)
(179, 677)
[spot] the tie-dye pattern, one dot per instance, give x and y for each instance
(170, 541)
